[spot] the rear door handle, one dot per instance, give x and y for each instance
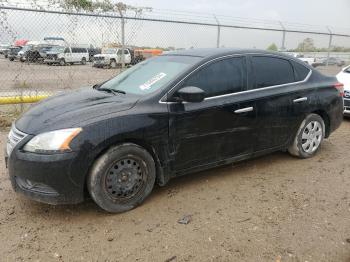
(301, 99)
(244, 110)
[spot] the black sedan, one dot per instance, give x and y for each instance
(168, 116)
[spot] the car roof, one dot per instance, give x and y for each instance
(213, 52)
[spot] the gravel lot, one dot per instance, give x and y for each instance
(274, 208)
(15, 75)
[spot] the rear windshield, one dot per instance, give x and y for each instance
(150, 75)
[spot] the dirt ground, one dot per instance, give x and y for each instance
(274, 208)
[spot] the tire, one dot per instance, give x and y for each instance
(11, 59)
(62, 62)
(309, 137)
(83, 61)
(122, 178)
(113, 64)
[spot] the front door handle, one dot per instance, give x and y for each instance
(244, 110)
(301, 99)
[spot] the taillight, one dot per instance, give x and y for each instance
(340, 88)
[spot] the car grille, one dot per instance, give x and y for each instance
(99, 58)
(347, 102)
(51, 57)
(15, 136)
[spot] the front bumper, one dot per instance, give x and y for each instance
(51, 61)
(49, 179)
(100, 63)
(347, 106)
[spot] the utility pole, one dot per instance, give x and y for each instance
(123, 41)
(218, 34)
(329, 44)
(121, 7)
(283, 47)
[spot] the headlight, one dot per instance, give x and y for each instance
(52, 142)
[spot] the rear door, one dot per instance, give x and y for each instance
(274, 90)
(219, 128)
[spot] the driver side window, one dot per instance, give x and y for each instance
(220, 78)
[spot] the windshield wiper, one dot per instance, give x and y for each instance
(109, 90)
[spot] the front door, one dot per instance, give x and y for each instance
(219, 128)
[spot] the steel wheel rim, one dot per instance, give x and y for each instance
(125, 178)
(311, 136)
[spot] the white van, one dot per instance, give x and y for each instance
(67, 55)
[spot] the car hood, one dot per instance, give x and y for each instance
(52, 53)
(72, 109)
(105, 55)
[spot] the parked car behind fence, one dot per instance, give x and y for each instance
(67, 55)
(13, 52)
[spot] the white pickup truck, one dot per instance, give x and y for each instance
(112, 57)
(308, 60)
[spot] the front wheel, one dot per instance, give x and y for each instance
(113, 64)
(122, 178)
(62, 62)
(309, 137)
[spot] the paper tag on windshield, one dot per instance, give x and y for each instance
(152, 81)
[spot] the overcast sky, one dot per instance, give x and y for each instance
(315, 14)
(318, 12)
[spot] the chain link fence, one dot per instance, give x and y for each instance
(52, 30)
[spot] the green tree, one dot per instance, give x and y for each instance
(306, 46)
(272, 47)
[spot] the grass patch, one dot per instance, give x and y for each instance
(6, 119)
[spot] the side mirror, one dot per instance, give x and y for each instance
(191, 94)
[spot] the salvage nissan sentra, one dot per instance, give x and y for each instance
(168, 116)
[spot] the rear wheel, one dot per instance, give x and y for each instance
(309, 137)
(122, 178)
(83, 61)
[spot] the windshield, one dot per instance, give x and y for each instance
(110, 51)
(150, 75)
(27, 48)
(57, 49)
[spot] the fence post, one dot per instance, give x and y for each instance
(218, 34)
(123, 40)
(283, 47)
(329, 44)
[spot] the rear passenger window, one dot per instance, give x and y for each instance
(272, 71)
(220, 78)
(300, 71)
